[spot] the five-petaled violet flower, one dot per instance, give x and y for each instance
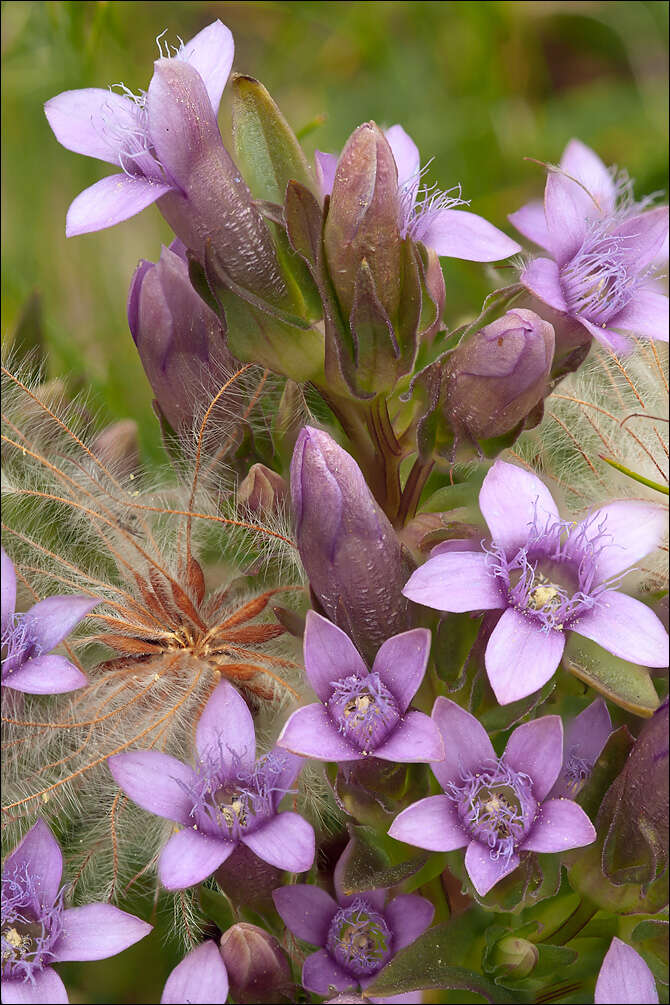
(624, 978)
(228, 798)
(27, 639)
(358, 933)
(547, 576)
(585, 737)
(200, 979)
(425, 213)
(38, 930)
(496, 807)
(362, 712)
(603, 250)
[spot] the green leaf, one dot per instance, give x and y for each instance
(368, 866)
(626, 684)
(217, 908)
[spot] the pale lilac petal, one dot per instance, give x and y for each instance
(320, 974)
(306, 910)
(94, 122)
(311, 732)
(325, 166)
(485, 871)
(157, 782)
(456, 544)
(456, 581)
(521, 656)
(7, 590)
(46, 675)
(624, 530)
(405, 153)
(645, 316)
(96, 931)
(415, 738)
(53, 619)
(401, 664)
(290, 767)
(542, 278)
(211, 52)
(625, 627)
(454, 233)
(47, 989)
(226, 729)
(111, 200)
(510, 500)
(643, 237)
(536, 749)
(329, 655)
(607, 337)
(408, 916)
(466, 742)
(431, 823)
(531, 222)
(190, 857)
(560, 824)
(201, 978)
(624, 978)
(566, 214)
(587, 733)
(580, 162)
(285, 840)
(40, 855)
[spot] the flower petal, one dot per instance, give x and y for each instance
(454, 233)
(40, 855)
(624, 978)
(401, 664)
(290, 767)
(94, 122)
(531, 222)
(586, 734)
(226, 728)
(321, 974)
(306, 910)
(485, 871)
(408, 916)
(190, 857)
(455, 581)
(645, 316)
(466, 742)
(616, 343)
(521, 656)
(628, 530)
(7, 590)
(46, 675)
(111, 200)
(310, 732)
(285, 840)
(536, 748)
(560, 824)
(405, 153)
(46, 989)
(511, 500)
(643, 237)
(541, 277)
(211, 52)
(96, 931)
(567, 215)
(580, 162)
(201, 978)
(625, 627)
(53, 619)
(329, 655)
(325, 166)
(431, 823)
(415, 738)
(157, 782)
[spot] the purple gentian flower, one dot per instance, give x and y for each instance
(38, 930)
(362, 712)
(427, 214)
(200, 979)
(624, 978)
(227, 798)
(126, 130)
(603, 250)
(27, 639)
(585, 737)
(359, 933)
(547, 576)
(497, 807)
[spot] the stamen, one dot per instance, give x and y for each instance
(419, 204)
(576, 772)
(29, 929)
(364, 710)
(18, 644)
(359, 938)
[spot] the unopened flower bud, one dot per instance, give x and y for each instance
(258, 969)
(347, 545)
(262, 491)
(495, 378)
(516, 957)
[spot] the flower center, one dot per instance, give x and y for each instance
(18, 644)
(29, 930)
(576, 772)
(364, 710)
(496, 806)
(359, 939)
(599, 280)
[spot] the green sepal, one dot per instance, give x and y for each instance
(626, 684)
(217, 908)
(375, 861)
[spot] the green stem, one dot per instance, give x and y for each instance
(635, 476)
(573, 924)
(414, 485)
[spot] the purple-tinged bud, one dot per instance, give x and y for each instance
(262, 491)
(258, 969)
(347, 545)
(515, 957)
(495, 378)
(178, 337)
(118, 447)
